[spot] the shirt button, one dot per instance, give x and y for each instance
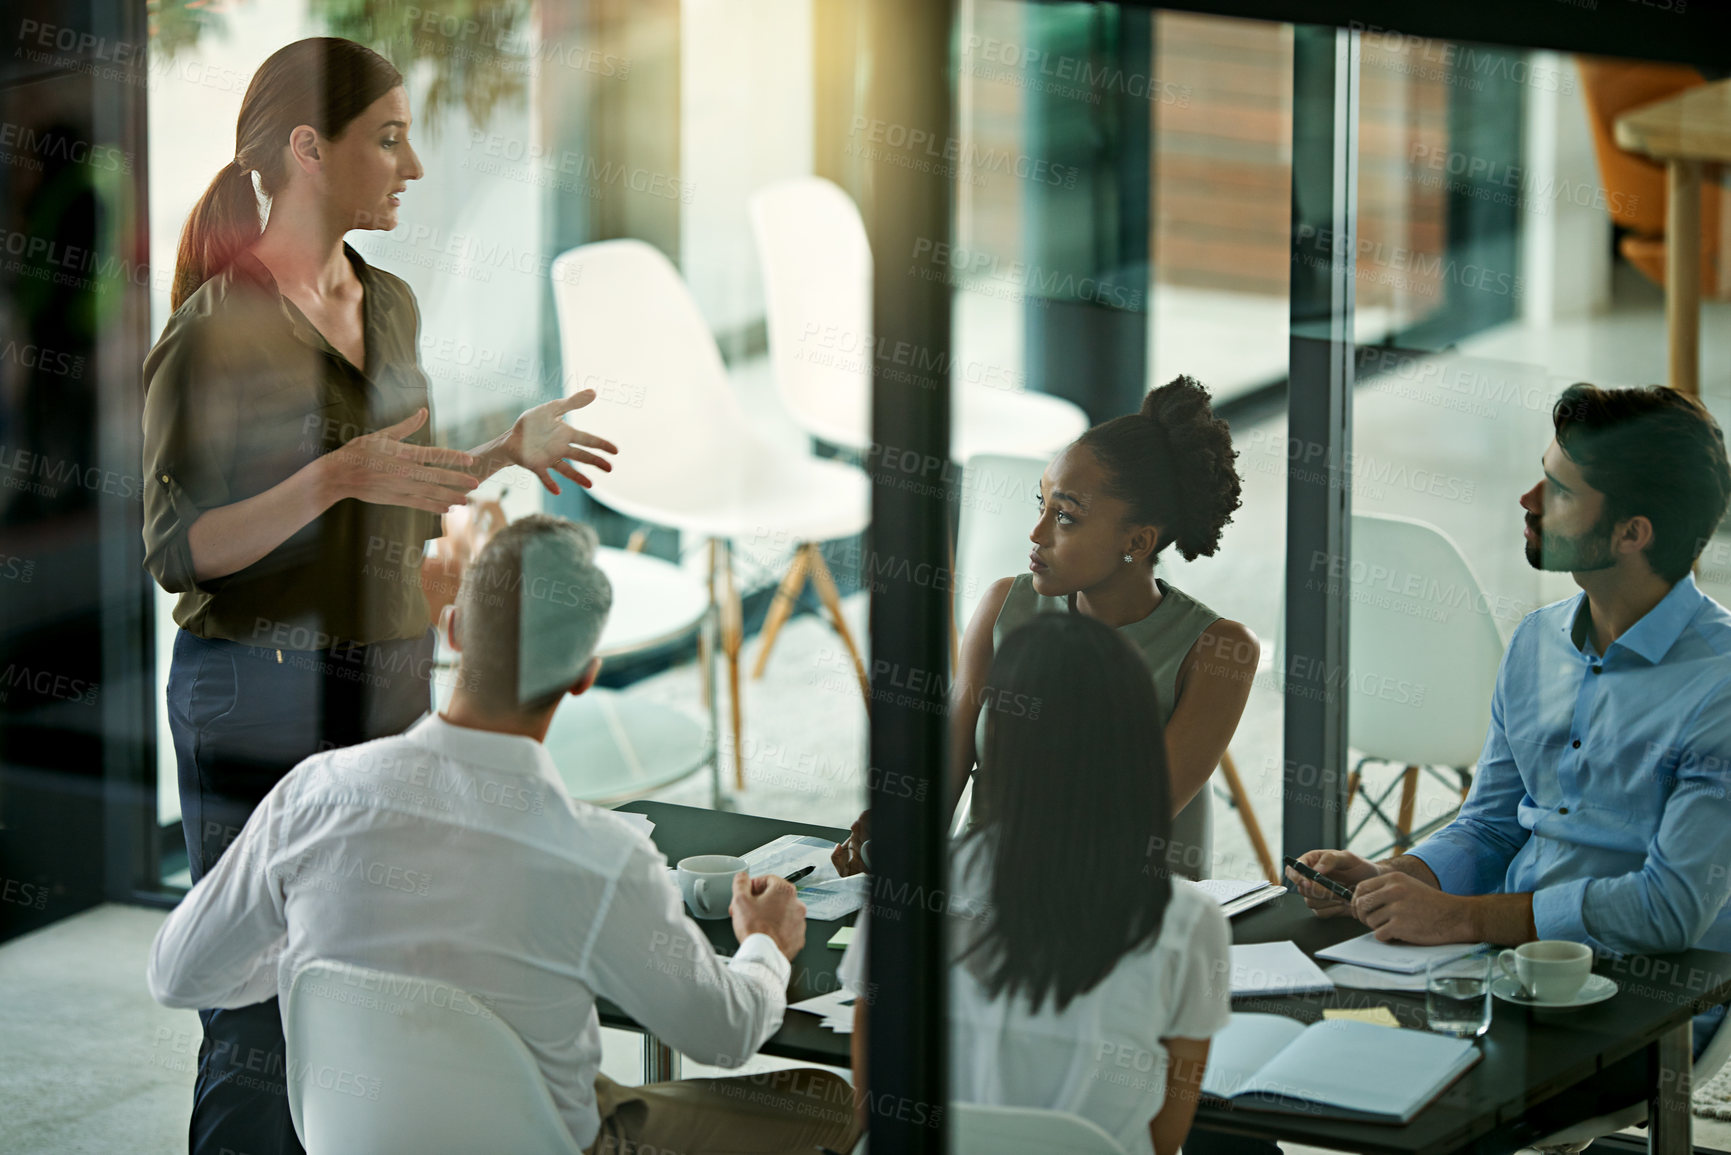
(1576, 743)
(1562, 810)
(1598, 669)
(165, 479)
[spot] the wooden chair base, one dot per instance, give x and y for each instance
(808, 564)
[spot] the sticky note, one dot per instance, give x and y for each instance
(1381, 1016)
(841, 938)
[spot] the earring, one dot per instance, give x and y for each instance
(1128, 558)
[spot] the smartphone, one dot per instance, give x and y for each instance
(1328, 884)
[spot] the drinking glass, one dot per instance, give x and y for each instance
(1457, 994)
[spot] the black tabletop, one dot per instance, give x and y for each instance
(681, 831)
(1530, 1057)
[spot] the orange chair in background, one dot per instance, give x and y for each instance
(1635, 185)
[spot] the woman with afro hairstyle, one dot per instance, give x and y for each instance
(1107, 506)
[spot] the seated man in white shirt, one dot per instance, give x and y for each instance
(453, 852)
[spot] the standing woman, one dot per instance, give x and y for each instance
(1108, 505)
(292, 486)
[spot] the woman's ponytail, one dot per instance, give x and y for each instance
(223, 224)
(324, 82)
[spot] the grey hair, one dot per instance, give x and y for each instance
(530, 612)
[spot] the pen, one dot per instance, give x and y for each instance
(800, 873)
(1327, 884)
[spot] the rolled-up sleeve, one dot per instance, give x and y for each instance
(189, 443)
(1471, 855)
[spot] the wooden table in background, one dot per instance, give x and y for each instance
(1685, 132)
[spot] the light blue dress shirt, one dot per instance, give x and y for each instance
(1604, 788)
(1605, 783)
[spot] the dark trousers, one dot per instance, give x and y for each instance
(242, 717)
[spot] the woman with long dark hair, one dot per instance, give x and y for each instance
(1085, 979)
(293, 484)
(1108, 505)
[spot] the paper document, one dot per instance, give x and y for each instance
(827, 896)
(835, 1009)
(1236, 896)
(1274, 968)
(1224, 890)
(641, 821)
(1349, 977)
(1366, 951)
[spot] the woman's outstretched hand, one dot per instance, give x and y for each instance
(542, 443)
(383, 469)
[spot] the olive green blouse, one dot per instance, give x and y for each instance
(241, 392)
(1164, 639)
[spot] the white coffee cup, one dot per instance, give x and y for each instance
(706, 881)
(1552, 970)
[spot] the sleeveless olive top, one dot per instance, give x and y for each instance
(1163, 638)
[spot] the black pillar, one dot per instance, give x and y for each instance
(906, 83)
(1319, 433)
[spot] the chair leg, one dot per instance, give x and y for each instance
(732, 634)
(1252, 827)
(1408, 795)
(638, 539)
(832, 601)
(704, 665)
(786, 597)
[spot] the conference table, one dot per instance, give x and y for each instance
(1686, 133)
(1631, 1047)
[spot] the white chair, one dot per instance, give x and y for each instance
(998, 511)
(1421, 681)
(817, 284)
(376, 1067)
(688, 457)
(1579, 1136)
(977, 1129)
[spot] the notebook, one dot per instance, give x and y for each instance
(1400, 957)
(1236, 896)
(1275, 968)
(1358, 1070)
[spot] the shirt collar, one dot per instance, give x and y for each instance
(1658, 629)
(507, 752)
(248, 268)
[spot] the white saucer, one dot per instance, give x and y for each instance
(1596, 989)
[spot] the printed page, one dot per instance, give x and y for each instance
(1404, 958)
